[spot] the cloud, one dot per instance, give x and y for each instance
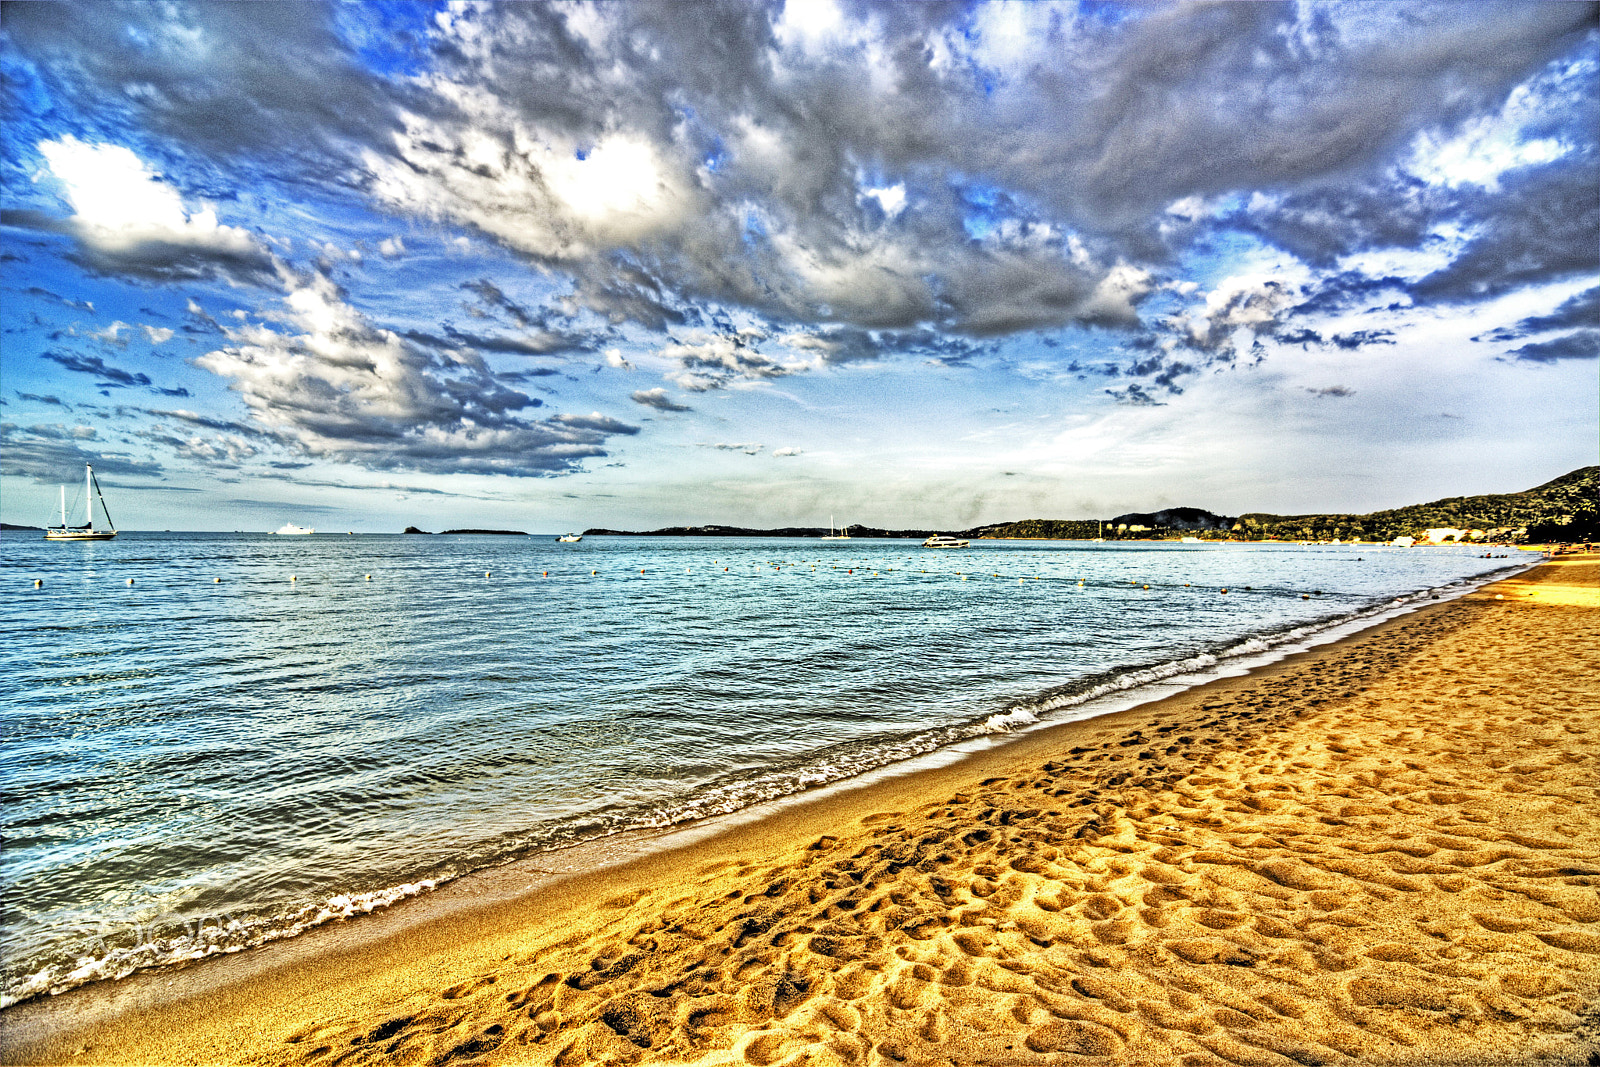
(333, 385)
(156, 335)
(1584, 344)
(790, 451)
(708, 361)
(391, 248)
(658, 399)
(614, 358)
(81, 305)
(128, 223)
(51, 454)
(1582, 309)
(37, 398)
(1362, 338)
(960, 168)
(110, 376)
(1331, 391)
(722, 446)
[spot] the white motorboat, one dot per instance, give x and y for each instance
(570, 538)
(289, 529)
(944, 541)
(88, 531)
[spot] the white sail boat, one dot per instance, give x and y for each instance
(842, 535)
(88, 531)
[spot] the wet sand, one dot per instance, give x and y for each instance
(1385, 850)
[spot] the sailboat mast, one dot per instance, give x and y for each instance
(110, 522)
(88, 496)
(63, 505)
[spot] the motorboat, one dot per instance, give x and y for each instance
(570, 538)
(289, 529)
(944, 541)
(88, 531)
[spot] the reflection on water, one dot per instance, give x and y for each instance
(193, 765)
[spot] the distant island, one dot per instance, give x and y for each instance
(740, 531)
(1560, 510)
(9, 526)
(492, 533)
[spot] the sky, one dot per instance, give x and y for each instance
(908, 265)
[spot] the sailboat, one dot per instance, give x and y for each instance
(88, 531)
(842, 535)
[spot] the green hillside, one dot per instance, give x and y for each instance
(1559, 510)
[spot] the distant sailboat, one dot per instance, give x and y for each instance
(842, 535)
(88, 531)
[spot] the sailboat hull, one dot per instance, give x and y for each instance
(54, 534)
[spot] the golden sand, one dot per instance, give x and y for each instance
(1383, 851)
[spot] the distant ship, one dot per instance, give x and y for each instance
(88, 531)
(290, 529)
(842, 535)
(570, 537)
(944, 541)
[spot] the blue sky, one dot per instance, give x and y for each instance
(555, 266)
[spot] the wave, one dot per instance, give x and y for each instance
(137, 949)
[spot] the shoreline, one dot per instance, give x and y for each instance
(1090, 697)
(478, 926)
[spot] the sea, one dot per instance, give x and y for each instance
(211, 741)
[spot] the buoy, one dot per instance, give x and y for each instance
(38, 583)
(724, 570)
(1021, 580)
(130, 581)
(292, 578)
(641, 570)
(1497, 596)
(546, 574)
(1147, 587)
(1224, 590)
(1305, 596)
(592, 573)
(486, 574)
(216, 580)
(1080, 582)
(369, 577)
(1186, 585)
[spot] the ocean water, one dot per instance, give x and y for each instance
(253, 737)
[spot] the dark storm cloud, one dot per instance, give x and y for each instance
(213, 75)
(1543, 225)
(1585, 344)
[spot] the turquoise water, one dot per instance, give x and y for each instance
(195, 766)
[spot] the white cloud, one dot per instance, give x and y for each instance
(332, 384)
(130, 221)
(156, 335)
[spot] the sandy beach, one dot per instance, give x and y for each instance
(1384, 850)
